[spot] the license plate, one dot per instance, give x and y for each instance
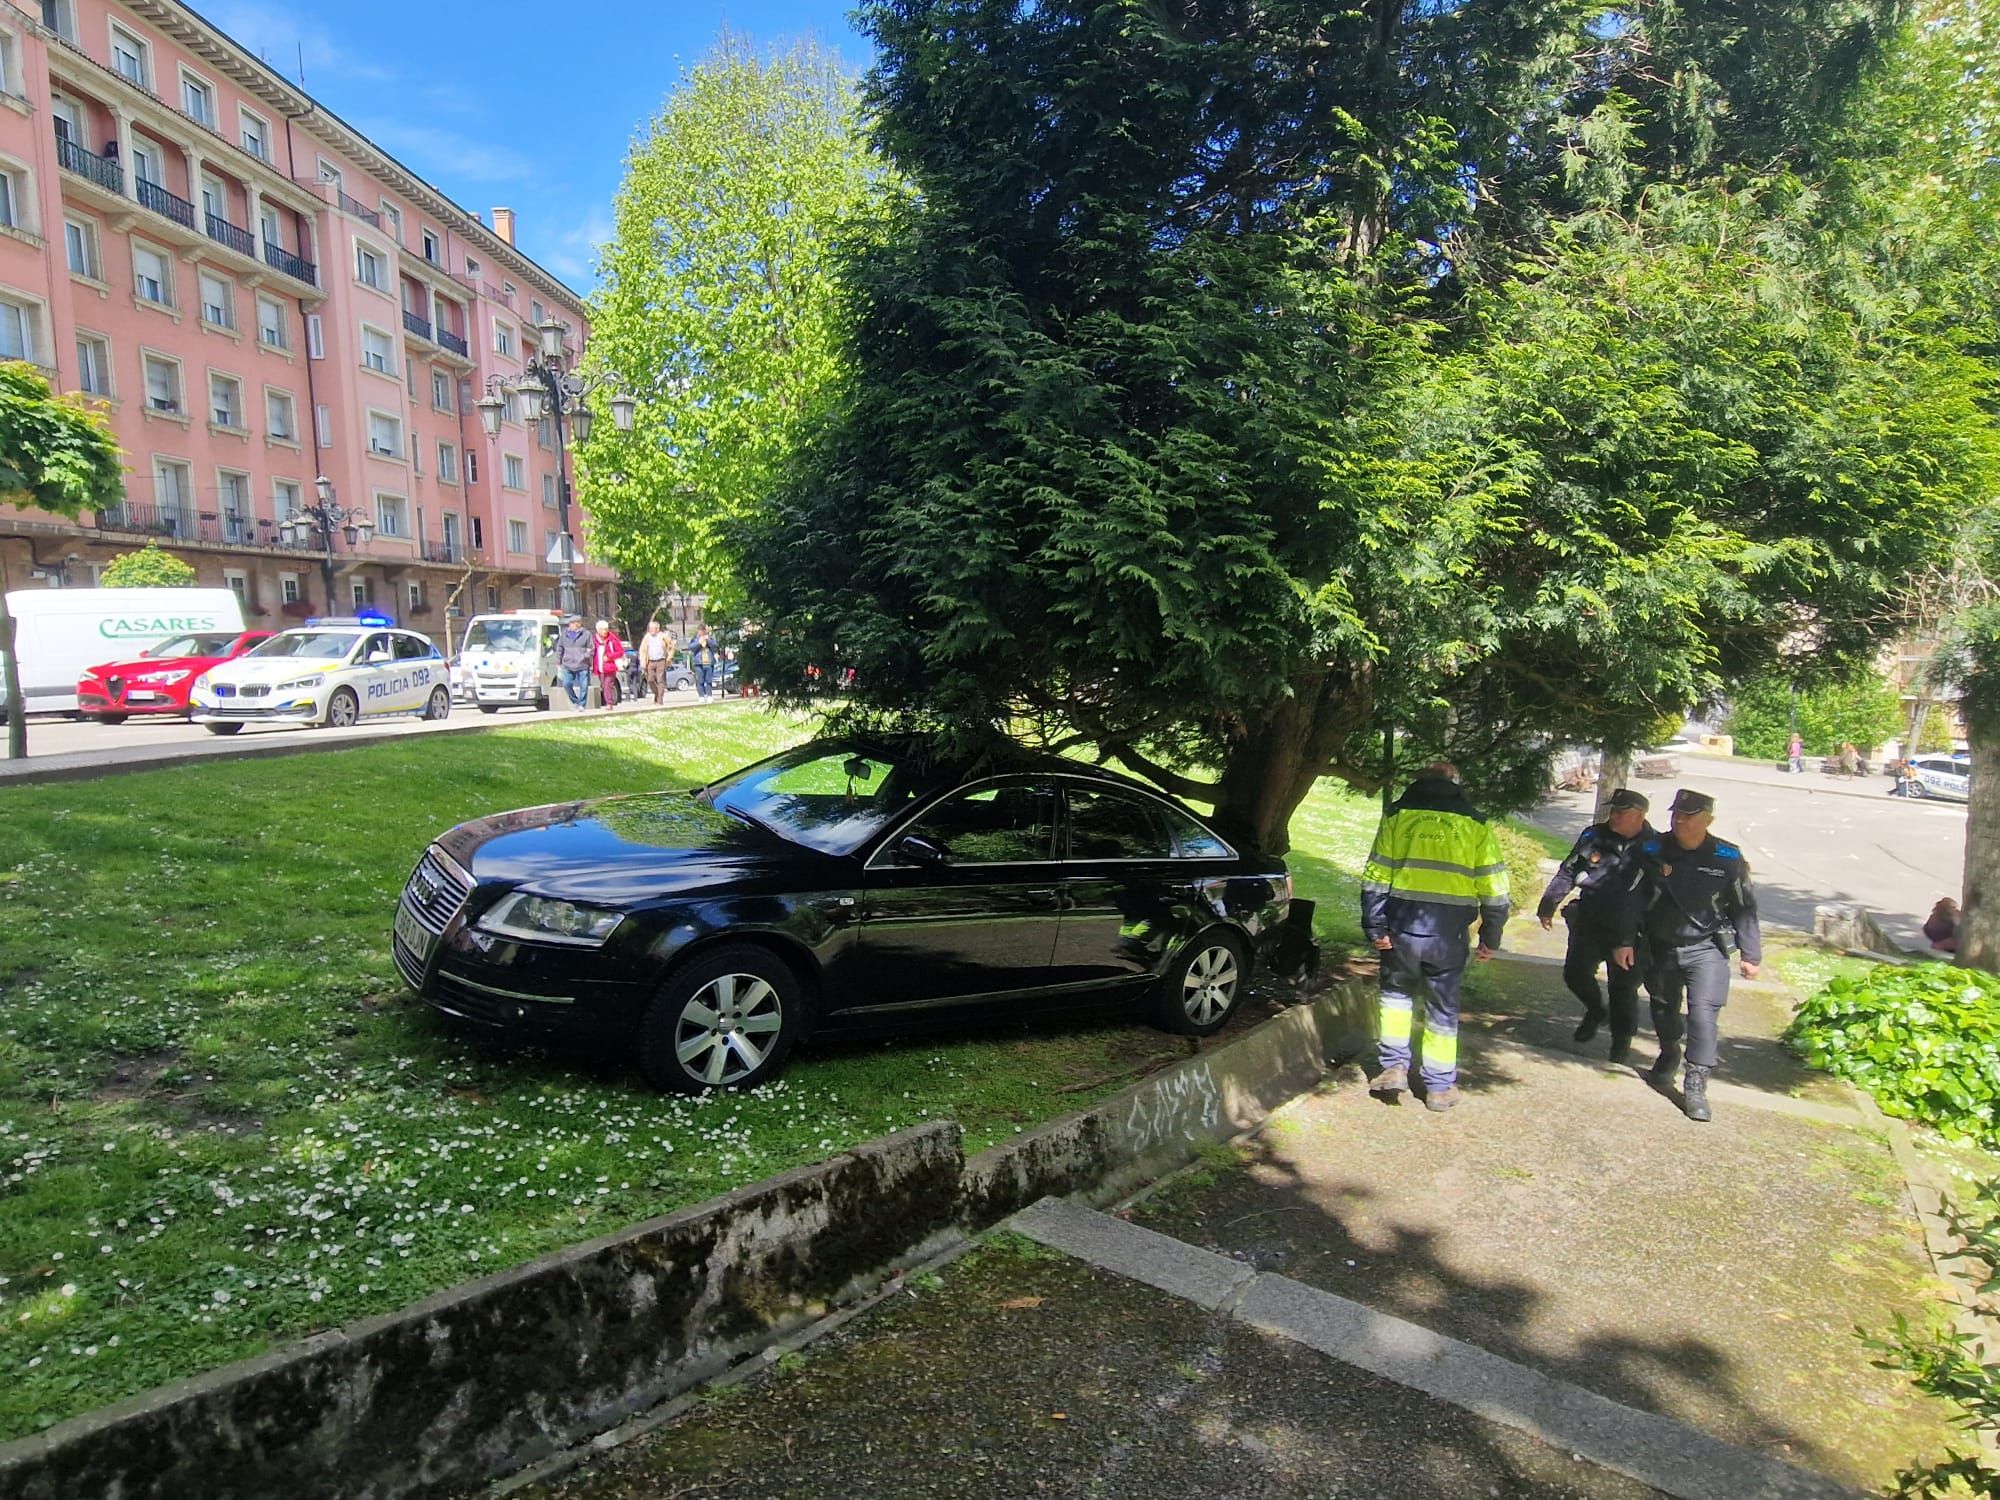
(412, 934)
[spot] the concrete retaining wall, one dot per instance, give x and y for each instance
(493, 1375)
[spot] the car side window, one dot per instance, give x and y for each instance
(994, 825)
(1106, 824)
(409, 648)
(376, 647)
(1191, 840)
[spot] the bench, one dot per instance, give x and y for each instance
(1656, 766)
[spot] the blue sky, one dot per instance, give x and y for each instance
(463, 94)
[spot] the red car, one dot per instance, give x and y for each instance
(158, 680)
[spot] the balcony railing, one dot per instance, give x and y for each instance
(453, 342)
(151, 520)
(101, 170)
(443, 552)
(419, 326)
(293, 266)
(360, 210)
(225, 233)
(167, 205)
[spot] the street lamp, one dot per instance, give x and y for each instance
(552, 386)
(316, 523)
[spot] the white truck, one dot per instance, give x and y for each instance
(508, 658)
(61, 633)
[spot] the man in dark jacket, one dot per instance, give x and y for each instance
(1435, 866)
(1599, 871)
(1690, 895)
(573, 653)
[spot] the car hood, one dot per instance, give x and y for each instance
(619, 850)
(273, 668)
(140, 664)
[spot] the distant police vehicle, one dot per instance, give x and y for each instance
(333, 671)
(509, 659)
(1948, 777)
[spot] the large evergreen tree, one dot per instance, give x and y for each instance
(1253, 387)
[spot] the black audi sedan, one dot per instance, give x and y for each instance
(840, 886)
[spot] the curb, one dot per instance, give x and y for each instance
(492, 1376)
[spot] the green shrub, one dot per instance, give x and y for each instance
(149, 568)
(1924, 1040)
(1863, 709)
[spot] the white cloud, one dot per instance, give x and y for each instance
(572, 255)
(447, 157)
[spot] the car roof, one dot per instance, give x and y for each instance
(939, 762)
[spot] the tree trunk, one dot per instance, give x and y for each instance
(1278, 759)
(1614, 769)
(1979, 917)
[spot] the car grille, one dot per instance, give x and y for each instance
(254, 690)
(463, 1000)
(117, 686)
(437, 889)
(407, 965)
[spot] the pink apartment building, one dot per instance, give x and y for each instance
(260, 297)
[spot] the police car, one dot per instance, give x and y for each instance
(333, 671)
(1947, 777)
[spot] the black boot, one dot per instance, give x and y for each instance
(1592, 1019)
(1694, 1094)
(1661, 1074)
(1621, 1047)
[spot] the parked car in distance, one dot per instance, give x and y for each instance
(157, 680)
(680, 672)
(844, 885)
(1944, 777)
(60, 632)
(334, 671)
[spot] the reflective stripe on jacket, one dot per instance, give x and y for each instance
(1436, 862)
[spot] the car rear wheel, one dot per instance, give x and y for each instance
(111, 718)
(343, 709)
(223, 728)
(440, 705)
(1200, 990)
(727, 1020)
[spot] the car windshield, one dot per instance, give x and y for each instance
(192, 645)
(321, 645)
(501, 635)
(828, 797)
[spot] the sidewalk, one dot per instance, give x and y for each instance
(1629, 1304)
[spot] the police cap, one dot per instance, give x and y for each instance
(1688, 800)
(1625, 797)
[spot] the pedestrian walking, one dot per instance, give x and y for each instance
(656, 649)
(1435, 866)
(606, 652)
(703, 656)
(1795, 752)
(1599, 869)
(1691, 896)
(1850, 759)
(573, 651)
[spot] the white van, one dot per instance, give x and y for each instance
(508, 658)
(62, 632)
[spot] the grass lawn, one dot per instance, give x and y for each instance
(224, 1123)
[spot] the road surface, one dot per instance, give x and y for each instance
(1813, 840)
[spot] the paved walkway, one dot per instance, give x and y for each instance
(1561, 1288)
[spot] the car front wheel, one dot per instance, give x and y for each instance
(343, 709)
(1200, 990)
(725, 1021)
(223, 728)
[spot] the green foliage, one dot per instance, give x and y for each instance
(148, 568)
(1946, 1361)
(718, 307)
(56, 454)
(1923, 1040)
(1862, 709)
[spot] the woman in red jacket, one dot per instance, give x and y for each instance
(606, 652)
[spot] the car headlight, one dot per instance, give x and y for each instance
(164, 678)
(201, 682)
(298, 684)
(549, 921)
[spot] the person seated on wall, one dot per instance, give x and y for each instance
(1941, 926)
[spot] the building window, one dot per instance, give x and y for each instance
(430, 247)
(548, 541)
(389, 517)
(328, 172)
(441, 390)
(152, 275)
(370, 269)
(256, 135)
(80, 244)
(503, 340)
(392, 220)
(288, 588)
(513, 473)
(447, 463)
(492, 589)
(129, 58)
(415, 594)
(285, 497)
(198, 100)
(385, 435)
(536, 310)
(527, 596)
(18, 328)
(218, 301)
(478, 538)
(376, 349)
(315, 336)
(517, 536)
(359, 592)
(173, 492)
(549, 491)
(323, 425)
(60, 17)
(471, 469)
(93, 365)
(15, 197)
(233, 490)
(271, 324)
(471, 266)
(545, 432)
(163, 383)
(281, 415)
(510, 410)
(225, 400)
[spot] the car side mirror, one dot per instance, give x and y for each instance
(378, 656)
(915, 849)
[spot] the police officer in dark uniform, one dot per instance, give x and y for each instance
(1600, 870)
(1691, 895)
